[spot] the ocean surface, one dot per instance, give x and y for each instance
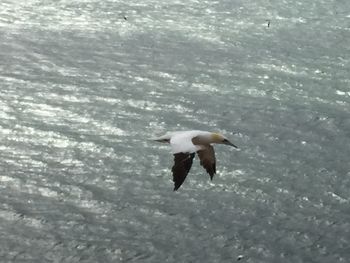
(84, 84)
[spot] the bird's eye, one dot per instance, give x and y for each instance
(224, 140)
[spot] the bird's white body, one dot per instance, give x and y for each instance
(182, 141)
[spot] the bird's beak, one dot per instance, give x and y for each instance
(231, 144)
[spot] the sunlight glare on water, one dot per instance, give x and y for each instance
(85, 84)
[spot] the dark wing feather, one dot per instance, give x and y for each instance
(208, 161)
(182, 165)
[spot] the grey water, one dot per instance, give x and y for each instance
(85, 83)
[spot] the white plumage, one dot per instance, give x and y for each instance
(182, 141)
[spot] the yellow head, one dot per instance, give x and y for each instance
(219, 138)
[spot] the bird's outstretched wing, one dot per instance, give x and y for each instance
(182, 165)
(208, 161)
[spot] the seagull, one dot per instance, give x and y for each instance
(185, 144)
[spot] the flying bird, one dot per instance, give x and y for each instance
(185, 144)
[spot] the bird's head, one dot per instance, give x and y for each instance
(221, 139)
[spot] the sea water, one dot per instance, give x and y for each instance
(85, 83)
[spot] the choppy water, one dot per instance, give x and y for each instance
(84, 83)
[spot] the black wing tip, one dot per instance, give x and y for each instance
(212, 171)
(176, 186)
(212, 175)
(181, 167)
